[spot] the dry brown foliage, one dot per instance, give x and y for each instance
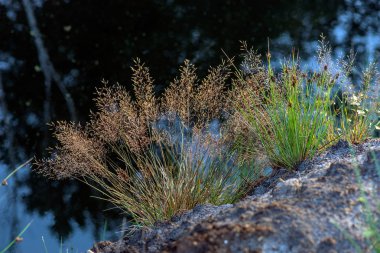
(119, 118)
(128, 119)
(251, 83)
(211, 97)
(197, 104)
(253, 78)
(178, 98)
(144, 92)
(77, 154)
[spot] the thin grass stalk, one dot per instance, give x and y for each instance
(17, 238)
(5, 180)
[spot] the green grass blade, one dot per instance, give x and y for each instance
(5, 180)
(18, 236)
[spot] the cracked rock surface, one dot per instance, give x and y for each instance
(309, 210)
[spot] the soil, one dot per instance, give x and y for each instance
(316, 208)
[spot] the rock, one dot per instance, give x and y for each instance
(308, 210)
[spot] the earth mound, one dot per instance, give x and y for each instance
(312, 209)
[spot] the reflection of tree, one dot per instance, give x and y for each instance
(94, 39)
(8, 138)
(69, 202)
(6, 125)
(50, 74)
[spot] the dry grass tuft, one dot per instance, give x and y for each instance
(153, 157)
(144, 92)
(178, 99)
(211, 98)
(119, 118)
(77, 155)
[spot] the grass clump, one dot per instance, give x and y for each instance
(153, 157)
(156, 156)
(360, 113)
(290, 114)
(166, 179)
(295, 113)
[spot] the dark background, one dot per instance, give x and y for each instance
(86, 41)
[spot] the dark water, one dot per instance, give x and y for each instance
(87, 41)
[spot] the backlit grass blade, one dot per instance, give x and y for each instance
(5, 180)
(18, 237)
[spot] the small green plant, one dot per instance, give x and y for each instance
(360, 111)
(291, 115)
(294, 114)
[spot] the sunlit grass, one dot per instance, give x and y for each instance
(359, 115)
(294, 113)
(292, 118)
(357, 121)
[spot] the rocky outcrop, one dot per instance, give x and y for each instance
(309, 210)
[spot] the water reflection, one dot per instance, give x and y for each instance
(86, 41)
(64, 213)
